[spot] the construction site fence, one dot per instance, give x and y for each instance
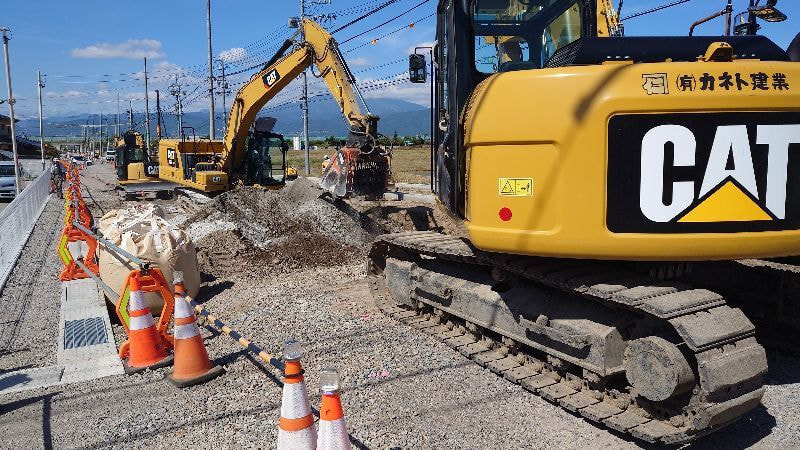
(17, 221)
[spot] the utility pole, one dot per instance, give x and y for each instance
(117, 129)
(175, 91)
(40, 84)
(90, 131)
(11, 102)
(100, 142)
(146, 109)
(161, 128)
(224, 86)
(108, 142)
(158, 115)
(304, 105)
(130, 115)
(210, 74)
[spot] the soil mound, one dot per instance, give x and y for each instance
(294, 227)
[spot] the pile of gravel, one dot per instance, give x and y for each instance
(295, 227)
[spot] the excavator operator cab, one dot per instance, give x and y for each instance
(265, 160)
(514, 35)
(132, 161)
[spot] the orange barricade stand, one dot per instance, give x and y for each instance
(71, 270)
(149, 280)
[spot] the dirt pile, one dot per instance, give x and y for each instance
(276, 231)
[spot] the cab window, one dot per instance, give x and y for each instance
(565, 29)
(521, 34)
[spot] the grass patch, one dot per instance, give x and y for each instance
(409, 164)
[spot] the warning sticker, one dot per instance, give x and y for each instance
(516, 187)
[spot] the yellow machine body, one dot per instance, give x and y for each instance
(537, 167)
(136, 173)
(178, 162)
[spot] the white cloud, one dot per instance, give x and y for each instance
(414, 93)
(359, 62)
(140, 96)
(67, 94)
(233, 54)
(410, 50)
(132, 49)
(164, 66)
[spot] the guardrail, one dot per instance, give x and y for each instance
(17, 221)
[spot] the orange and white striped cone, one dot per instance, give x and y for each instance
(332, 430)
(146, 347)
(192, 365)
(296, 430)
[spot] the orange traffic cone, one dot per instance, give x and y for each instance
(332, 431)
(146, 348)
(297, 424)
(192, 365)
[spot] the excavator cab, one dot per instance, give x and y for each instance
(265, 158)
(133, 164)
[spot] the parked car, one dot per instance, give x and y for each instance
(8, 181)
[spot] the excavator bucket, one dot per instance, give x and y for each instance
(334, 178)
(353, 172)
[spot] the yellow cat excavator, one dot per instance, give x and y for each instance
(611, 189)
(257, 156)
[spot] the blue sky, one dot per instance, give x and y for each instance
(92, 52)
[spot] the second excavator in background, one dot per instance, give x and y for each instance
(257, 155)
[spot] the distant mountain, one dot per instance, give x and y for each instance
(404, 117)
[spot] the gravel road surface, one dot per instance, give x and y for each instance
(401, 388)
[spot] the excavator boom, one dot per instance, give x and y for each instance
(320, 50)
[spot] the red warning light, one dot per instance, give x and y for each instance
(505, 214)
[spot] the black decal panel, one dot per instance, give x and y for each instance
(625, 181)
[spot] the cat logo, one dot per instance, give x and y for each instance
(271, 78)
(721, 177)
(728, 191)
(172, 157)
(152, 170)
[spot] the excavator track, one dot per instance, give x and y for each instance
(768, 291)
(718, 383)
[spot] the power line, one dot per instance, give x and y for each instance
(364, 16)
(388, 21)
(655, 9)
(375, 40)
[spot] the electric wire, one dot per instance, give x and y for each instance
(654, 9)
(375, 40)
(386, 22)
(364, 16)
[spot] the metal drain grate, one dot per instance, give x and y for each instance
(84, 332)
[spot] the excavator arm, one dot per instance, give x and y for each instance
(608, 21)
(320, 50)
